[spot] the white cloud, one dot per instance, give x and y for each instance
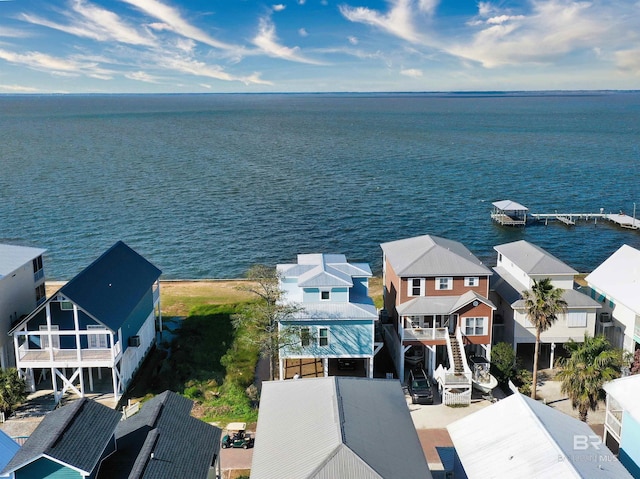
(353, 40)
(553, 29)
(173, 21)
(55, 65)
(198, 68)
(411, 72)
(90, 21)
(12, 32)
(279, 7)
(303, 32)
(18, 89)
(628, 60)
(397, 21)
(141, 76)
(428, 6)
(301, 2)
(267, 41)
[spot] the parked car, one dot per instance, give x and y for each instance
(237, 436)
(420, 387)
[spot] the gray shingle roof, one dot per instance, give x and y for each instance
(75, 435)
(182, 445)
(113, 285)
(533, 260)
(13, 257)
(432, 256)
(336, 427)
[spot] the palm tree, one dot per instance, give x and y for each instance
(542, 303)
(590, 365)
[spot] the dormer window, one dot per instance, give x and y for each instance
(325, 295)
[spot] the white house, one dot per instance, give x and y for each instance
(21, 291)
(518, 437)
(519, 264)
(616, 285)
(622, 421)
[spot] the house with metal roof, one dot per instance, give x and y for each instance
(523, 438)
(70, 442)
(520, 263)
(333, 321)
(163, 440)
(104, 319)
(21, 291)
(436, 295)
(622, 421)
(333, 427)
(615, 284)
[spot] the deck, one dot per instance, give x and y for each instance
(66, 357)
(507, 220)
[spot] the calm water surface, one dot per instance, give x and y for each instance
(207, 185)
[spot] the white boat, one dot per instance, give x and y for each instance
(414, 356)
(481, 378)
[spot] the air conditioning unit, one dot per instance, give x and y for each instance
(605, 320)
(134, 341)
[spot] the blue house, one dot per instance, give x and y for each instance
(622, 421)
(334, 324)
(104, 319)
(8, 449)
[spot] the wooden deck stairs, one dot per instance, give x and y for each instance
(458, 365)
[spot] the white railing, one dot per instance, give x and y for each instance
(156, 294)
(463, 355)
(130, 410)
(421, 334)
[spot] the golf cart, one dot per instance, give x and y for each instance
(237, 436)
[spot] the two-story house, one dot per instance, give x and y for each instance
(436, 294)
(519, 264)
(103, 319)
(622, 421)
(616, 285)
(334, 315)
(21, 291)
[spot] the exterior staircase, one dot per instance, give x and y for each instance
(458, 362)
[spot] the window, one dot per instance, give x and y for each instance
(444, 283)
(66, 305)
(323, 337)
(577, 319)
(416, 286)
(325, 295)
(97, 341)
(44, 338)
(37, 264)
(471, 281)
(40, 294)
(475, 326)
(305, 336)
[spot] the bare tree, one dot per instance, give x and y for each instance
(261, 319)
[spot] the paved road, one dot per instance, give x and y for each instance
(236, 458)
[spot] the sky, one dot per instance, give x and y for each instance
(246, 46)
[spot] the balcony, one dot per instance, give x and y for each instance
(425, 334)
(38, 275)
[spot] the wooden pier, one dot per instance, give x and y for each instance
(510, 213)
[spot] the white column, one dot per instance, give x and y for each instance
(370, 366)
(551, 356)
(281, 368)
(325, 366)
(48, 314)
(91, 379)
(54, 383)
(76, 325)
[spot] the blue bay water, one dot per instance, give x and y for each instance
(207, 185)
